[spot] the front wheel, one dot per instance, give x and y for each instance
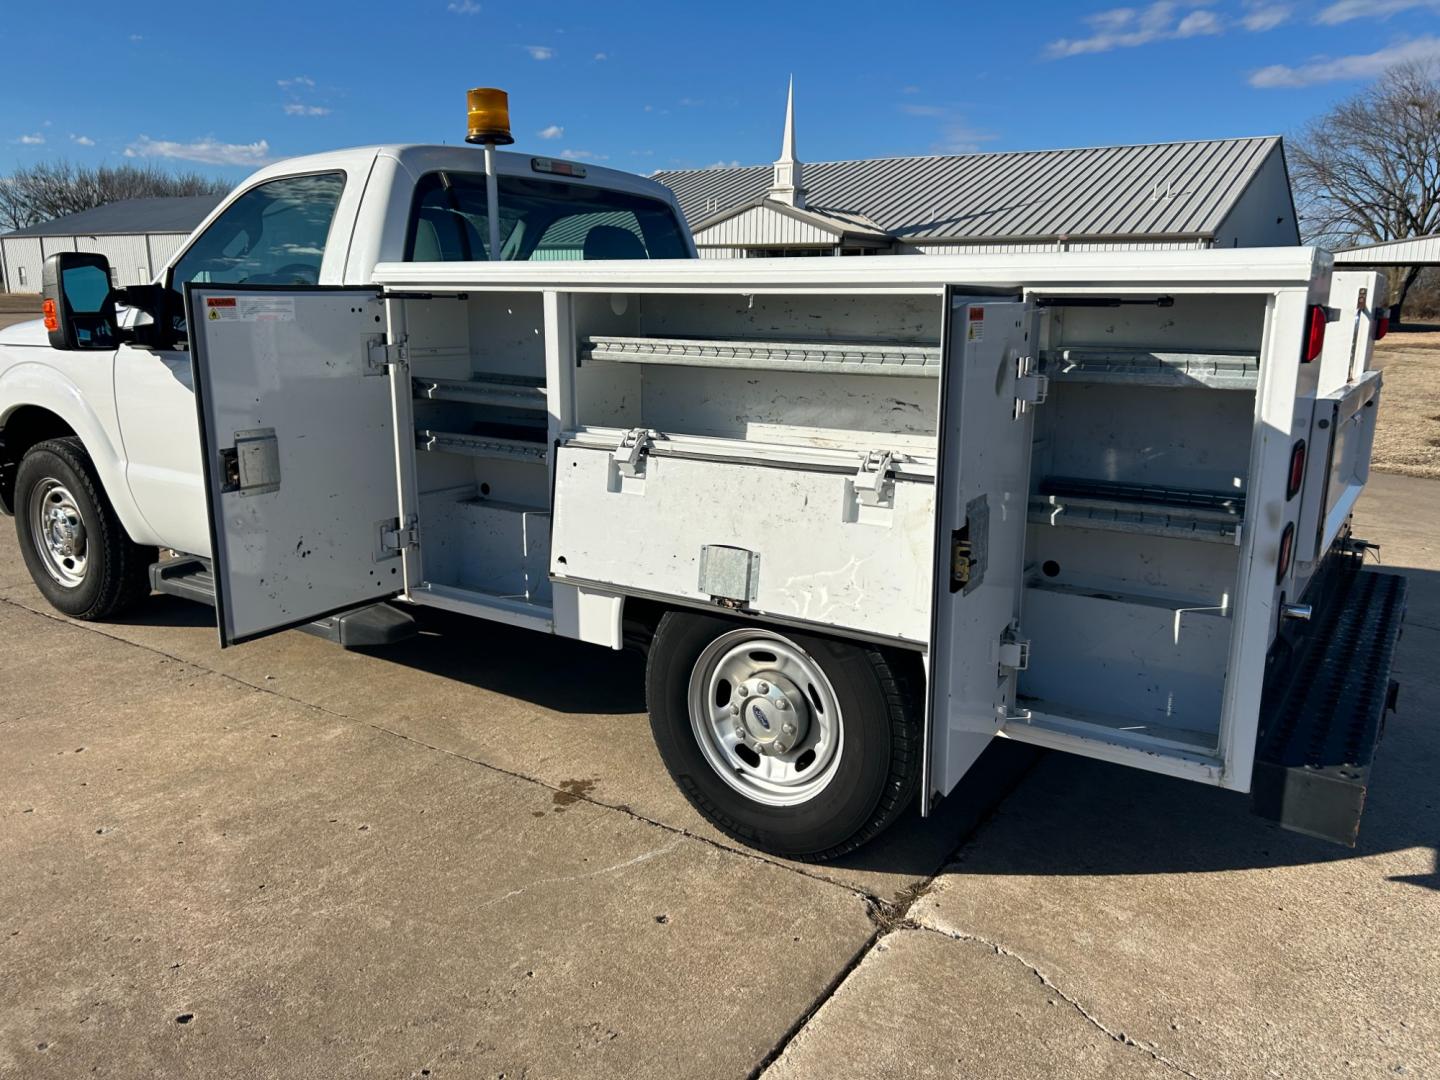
(74, 546)
(800, 745)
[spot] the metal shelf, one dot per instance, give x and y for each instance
(483, 446)
(839, 357)
(1142, 509)
(1147, 367)
(507, 391)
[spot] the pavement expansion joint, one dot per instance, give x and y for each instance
(1045, 981)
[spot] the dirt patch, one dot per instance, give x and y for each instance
(1407, 438)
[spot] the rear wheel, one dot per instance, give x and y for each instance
(797, 744)
(74, 546)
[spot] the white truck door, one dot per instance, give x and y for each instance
(298, 452)
(988, 386)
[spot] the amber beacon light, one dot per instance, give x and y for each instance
(489, 116)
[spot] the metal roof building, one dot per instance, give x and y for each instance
(138, 236)
(1416, 251)
(1220, 193)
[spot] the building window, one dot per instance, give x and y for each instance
(787, 253)
(20, 275)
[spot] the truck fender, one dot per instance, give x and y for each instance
(40, 386)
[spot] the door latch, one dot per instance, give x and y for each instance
(1031, 387)
(875, 479)
(1014, 650)
(629, 456)
(252, 465)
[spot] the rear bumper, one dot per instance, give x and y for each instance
(1327, 689)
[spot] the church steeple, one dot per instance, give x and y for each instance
(787, 187)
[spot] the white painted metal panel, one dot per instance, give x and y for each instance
(23, 262)
(299, 453)
(763, 227)
(823, 559)
(984, 487)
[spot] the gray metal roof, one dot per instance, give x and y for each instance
(178, 214)
(1181, 189)
(1417, 250)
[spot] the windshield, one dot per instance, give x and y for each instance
(539, 219)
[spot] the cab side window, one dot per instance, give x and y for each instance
(274, 234)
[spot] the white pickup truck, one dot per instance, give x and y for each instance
(866, 515)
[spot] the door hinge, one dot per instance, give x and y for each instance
(1031, 387)
(629, 456)
(381, 354)
(875, 479)
(395, 536)
(1014, 650)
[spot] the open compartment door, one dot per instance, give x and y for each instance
(988, 387)
(298, 449)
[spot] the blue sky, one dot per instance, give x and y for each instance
(643, 86)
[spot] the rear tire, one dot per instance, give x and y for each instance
(74, 546)
(726, 698)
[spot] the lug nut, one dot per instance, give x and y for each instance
(734, 710)
(782, 704)
(762, 688)
(788, 729)
(742, 691)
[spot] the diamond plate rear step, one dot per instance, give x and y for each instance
(1323, 712)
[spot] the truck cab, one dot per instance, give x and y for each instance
(322, 220)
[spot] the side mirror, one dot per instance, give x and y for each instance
(79, 304)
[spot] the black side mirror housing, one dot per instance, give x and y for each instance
(79, 304)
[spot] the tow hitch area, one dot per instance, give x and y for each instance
(1324, 707)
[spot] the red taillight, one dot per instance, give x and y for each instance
(1382, 323)
(1297, 471)
(52, 318)
(1314, 333)
(1287, 551)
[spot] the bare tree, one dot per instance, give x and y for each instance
(48, 190)
(1369, 169)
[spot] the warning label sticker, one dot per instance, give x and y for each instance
(976, 330)
(250, 308)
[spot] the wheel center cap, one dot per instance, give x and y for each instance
(773, 713)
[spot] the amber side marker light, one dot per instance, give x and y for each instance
(488, 112)
(52, 317)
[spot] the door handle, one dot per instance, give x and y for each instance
(252, 465)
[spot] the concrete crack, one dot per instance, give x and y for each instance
(1045, 981)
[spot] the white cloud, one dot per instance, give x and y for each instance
(463, 7)
(31, 140)
(137, 37)
(734, 164)
(1127, 28)
(540, 52)
(1263, 16)
(583, 155)
(554, 131)
(297, 81)
(922, 110)
(1344, 10)
(295, 108)
(82, 140)
(909, 90)
(602, 56)
(958, 137)
(1333, 69)
(206, 151)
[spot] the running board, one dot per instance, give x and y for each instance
(363, 627)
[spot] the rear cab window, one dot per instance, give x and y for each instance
(539, 220)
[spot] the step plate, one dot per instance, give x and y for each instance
(1324, 708)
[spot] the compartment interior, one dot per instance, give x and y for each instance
(1139, 479)
(1139, 474)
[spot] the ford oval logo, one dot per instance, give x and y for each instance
(759, 715)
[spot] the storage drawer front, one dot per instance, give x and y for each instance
(818, 554)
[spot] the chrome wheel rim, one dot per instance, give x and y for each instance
(765, 717)
(59, 533)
